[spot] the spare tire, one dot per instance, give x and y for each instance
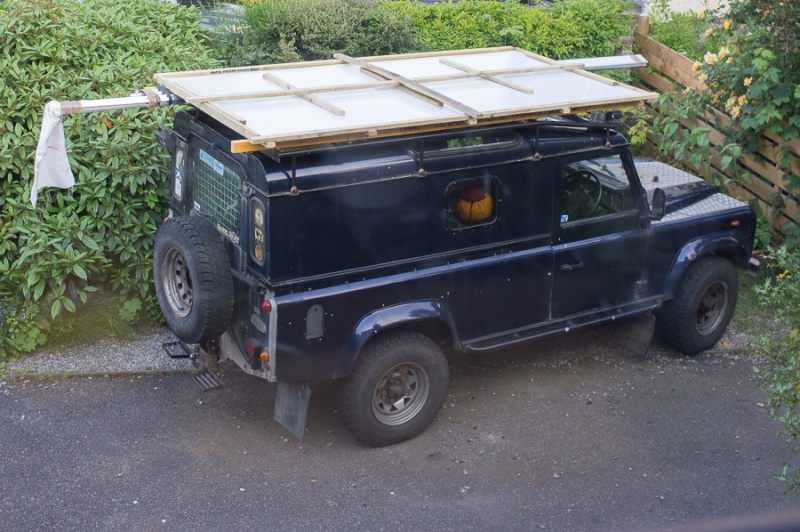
(193, 278)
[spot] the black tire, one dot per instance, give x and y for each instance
(193, 278)
(407, 367)
(697, 317)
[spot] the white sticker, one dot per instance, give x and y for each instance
(213, 163)
(178, 189)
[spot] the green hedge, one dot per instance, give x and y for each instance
(572, 28)
(273, 31)
(103, 229)
(277, 31)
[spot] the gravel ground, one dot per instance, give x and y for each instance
(145, 354)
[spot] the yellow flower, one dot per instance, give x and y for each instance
(710, 58)
(730, 103)
(702, 77)
(696, 66)
(729, 61)
(723, 52)
(742, 100)
(736, 111)
(748, 81)
(710, 32)
(727, 24)
(702, 13)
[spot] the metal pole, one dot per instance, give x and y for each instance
(136, 100)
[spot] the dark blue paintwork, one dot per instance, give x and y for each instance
(362, 233)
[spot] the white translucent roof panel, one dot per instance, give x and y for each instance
(349, 98)
(364, 111)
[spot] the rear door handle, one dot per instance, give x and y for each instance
(571, 267)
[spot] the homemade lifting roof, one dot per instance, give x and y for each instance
(346, 98)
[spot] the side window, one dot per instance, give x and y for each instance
(472, 203)
(469, 143)
(593, 188)
(217, 192)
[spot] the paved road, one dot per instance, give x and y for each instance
(547, 436)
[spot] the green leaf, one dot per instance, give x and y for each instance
(55, 308)
(79, 271)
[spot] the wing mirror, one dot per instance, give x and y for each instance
(659, 207)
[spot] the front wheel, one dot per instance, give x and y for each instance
(395, 390)
(697, 317)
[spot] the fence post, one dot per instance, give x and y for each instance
(643, 24)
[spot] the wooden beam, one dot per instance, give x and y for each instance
(484, 75)
(305, 96)
(410, 84)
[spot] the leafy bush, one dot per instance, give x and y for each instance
(779, 371)
(683, 31)
(20, 329)
(103, 229)
(276, 31)
(753, 73)
(572, 28)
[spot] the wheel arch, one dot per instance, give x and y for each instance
(729, 245)
(429, 317)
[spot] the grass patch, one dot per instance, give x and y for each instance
(752, 317)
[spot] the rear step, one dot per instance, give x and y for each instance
(207, 379)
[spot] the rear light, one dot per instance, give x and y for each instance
(250, 347)
(258, 239)
(264, 356)
(266, 306)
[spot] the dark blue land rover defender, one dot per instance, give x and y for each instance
(362, 261)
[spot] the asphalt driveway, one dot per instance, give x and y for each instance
(566, 434)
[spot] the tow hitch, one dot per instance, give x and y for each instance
(205, 376)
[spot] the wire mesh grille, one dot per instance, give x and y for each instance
(217, 192)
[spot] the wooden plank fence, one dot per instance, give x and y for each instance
(767, 187)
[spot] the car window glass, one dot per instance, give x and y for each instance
(487, 140)
(472, 203)
(592, 188)
(216, 192)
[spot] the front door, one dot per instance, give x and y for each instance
(600, 251)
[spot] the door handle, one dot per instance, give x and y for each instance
(571, 267)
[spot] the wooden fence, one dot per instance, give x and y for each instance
(767, 186)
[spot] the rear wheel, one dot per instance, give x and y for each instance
(697, 317)
(395, 390)
(193, 278)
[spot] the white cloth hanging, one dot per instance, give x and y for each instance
(51, 166)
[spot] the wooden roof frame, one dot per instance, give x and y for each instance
(461, 114)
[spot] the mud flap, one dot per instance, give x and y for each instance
(635, 334)
(291, 407)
